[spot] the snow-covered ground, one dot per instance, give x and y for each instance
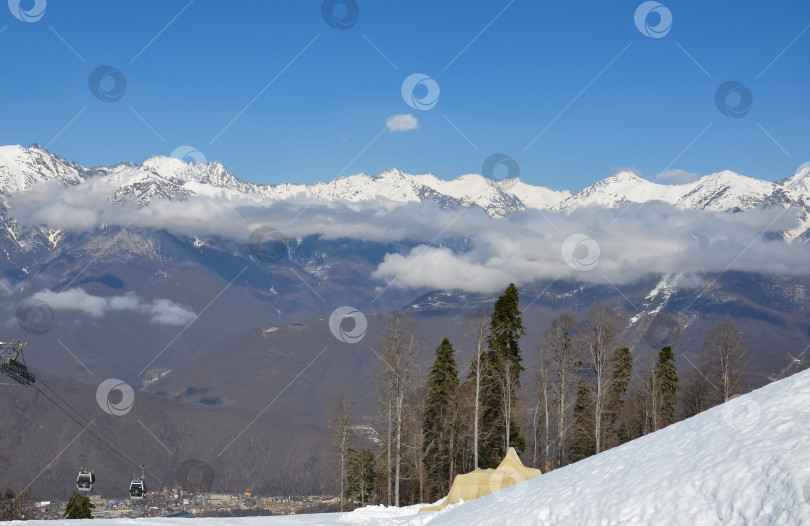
(746, 462)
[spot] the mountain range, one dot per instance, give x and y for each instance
(206, 328)
(170, 178)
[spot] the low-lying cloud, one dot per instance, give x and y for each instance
(610, 246)
(160, 311)
(462, 249)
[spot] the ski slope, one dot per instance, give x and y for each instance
(746, 462)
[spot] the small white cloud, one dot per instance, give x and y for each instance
(167, 312)
(402, 122)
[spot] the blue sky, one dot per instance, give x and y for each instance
(604, 95)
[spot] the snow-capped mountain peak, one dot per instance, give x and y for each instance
(615, 190)
(21, 168)
(169, 178)
(725, 191)
(800, 181)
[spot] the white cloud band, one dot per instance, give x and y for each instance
(160, 311)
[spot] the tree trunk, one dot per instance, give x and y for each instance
(479, 329)
(561, 423)
(398, 458)
(451, 450)
(534, 421)
(388, 454)
(477, 391)
(545, 437)
(598, 417)
(342, 479)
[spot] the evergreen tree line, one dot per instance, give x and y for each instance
(588, 394)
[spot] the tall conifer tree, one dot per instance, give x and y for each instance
(502, 367)
(667, 383)
(439, 422)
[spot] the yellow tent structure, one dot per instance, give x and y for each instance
(482, 482)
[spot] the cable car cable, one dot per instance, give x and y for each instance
(90, 427)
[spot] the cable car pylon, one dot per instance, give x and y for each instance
(11, 364)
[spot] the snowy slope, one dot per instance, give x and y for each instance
(745, 462)
(799, 182)
(725, 191)
(536, 197)
(21, 168)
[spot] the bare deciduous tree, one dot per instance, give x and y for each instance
(479, 327)
(398, 354)
(543, 381)
(636, 422)
(413, 457)
(384, 387)
(559, 339)
(696, 393)
(652, 402)
(599, 340)
(506, 376)
(15, 505)
(342, 431)
(723, 352)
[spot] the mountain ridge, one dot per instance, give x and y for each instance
(170, 178)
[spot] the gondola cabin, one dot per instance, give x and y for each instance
(85, 481)
(137, 489)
